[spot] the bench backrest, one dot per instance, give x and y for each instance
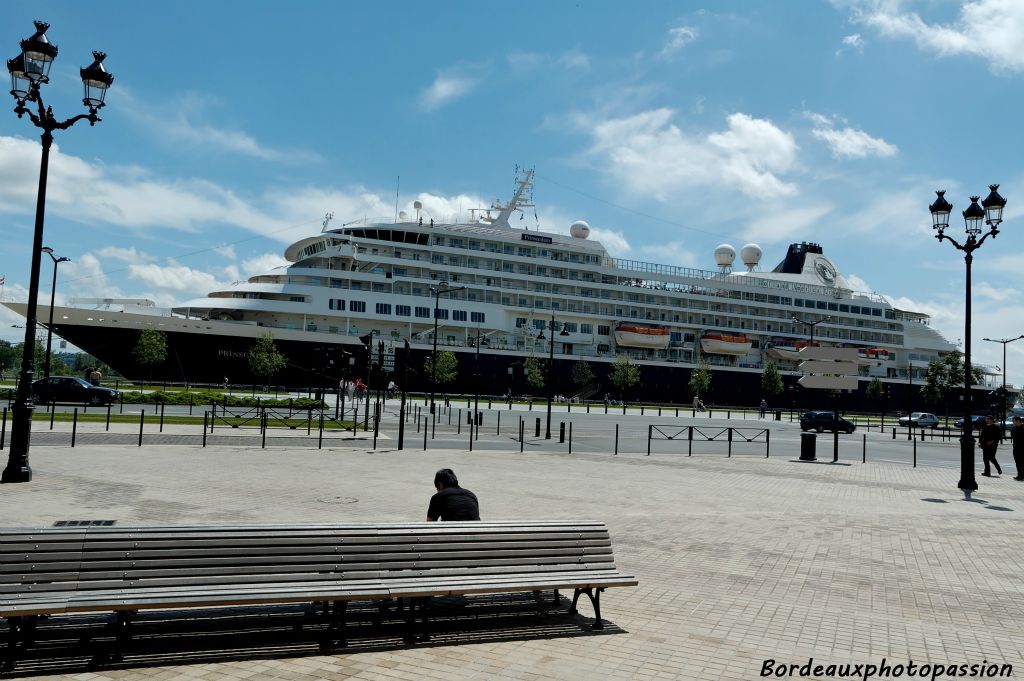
(264, 556)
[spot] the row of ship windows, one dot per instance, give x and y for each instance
(339, 304)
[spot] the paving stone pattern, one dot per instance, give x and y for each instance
(739, 560)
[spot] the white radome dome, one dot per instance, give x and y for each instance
(751, 255)
(724, 255)
(579, 229)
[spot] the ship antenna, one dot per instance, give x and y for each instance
(327, 219)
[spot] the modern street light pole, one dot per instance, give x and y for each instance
(991, 215)
(1005, 342)
(29, 70)
(53, 292)
(551, 367)
(442, 288)
(812, 324)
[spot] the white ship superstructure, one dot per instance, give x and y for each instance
(380, 277)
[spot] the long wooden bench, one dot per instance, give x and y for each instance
(124, 570)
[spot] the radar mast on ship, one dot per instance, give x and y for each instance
(523, 198)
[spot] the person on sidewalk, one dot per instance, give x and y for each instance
(1017, 437)
(762, 408)
(451, 501)
(988, 440)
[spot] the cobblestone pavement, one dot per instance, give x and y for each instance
(739, 560)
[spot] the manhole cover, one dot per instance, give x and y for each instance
(338, 500)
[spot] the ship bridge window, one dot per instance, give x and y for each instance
(821, 305)
(889, 314)
(603, 330)
(876, 312)
(337, 304)
(423, 312)
(403, 310)
(297, 299)
(458, 315)
(834, 307)
(357, 306)
(383, 308)
(586, 328)
(539, 323)
(798, 303)
(520, 322)
(441, 313)
(844, 308)
(477, 317)
(335, 283)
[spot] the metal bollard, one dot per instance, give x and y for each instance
(108, 420)
(561, 432)
(206, 415)
(521, 429)
(458, 423)
(74, 426)
(767, 440)
(570, 437)
(162, 405)
(53, 410)
(142, 421)
(915, 453)
(3, 430)
(616, 439)
(650, 432)
(424, 433)
(497, 427)
(864, 449)
(729, 451)
(537, 428)
(320, 436)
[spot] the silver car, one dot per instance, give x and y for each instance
(920, 419)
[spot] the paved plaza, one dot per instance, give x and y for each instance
(739, 559)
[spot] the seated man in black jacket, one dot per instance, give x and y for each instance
(451, 501)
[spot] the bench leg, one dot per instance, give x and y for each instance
(595, 599)
(422, 633)
(14, 629)
(122, 629)
(335, 623)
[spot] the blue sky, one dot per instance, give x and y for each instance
(671, 127)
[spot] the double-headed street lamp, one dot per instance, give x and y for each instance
(30, 70)
(551, 366)
(990, 212)
(441, 289)
(1004, 341)
(812, 324)
(53, 292)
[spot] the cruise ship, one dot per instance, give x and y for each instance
(497, 294)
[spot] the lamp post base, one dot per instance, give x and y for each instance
(18, 469)
(968, 483)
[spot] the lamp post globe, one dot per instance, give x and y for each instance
(29, 71)
(989, 213)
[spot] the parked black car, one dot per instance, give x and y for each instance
(71, 389)
(825, 420)
(977, 422)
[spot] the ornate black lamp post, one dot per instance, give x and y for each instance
(974, 216)
(1002, 397)
(53, 292)
(551, 367)
(441, 289)
(30, 70)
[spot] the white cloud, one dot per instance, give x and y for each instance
(450, 84)
(261, 264)
(858, 284)
(226, 250)
(999, 294)
(851, 42)
(574, 59)
(129, 255)
(848, 142)
(990, 29)
(671, 253)
(648, 154)
(678, 38)
(785, 224)
(174, 277)
(184, 122)
(614, 241)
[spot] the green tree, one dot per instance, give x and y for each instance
(582, 374)
(533, 369)
(875, 392)
(150, 348)
(447, 367)
(10, 358)
(624, 374)
(264, 358)
(946, 378)
(771, 380)
(700, 379)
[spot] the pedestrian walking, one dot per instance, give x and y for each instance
(988, 440)
(1017, 437)
(762, 408)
